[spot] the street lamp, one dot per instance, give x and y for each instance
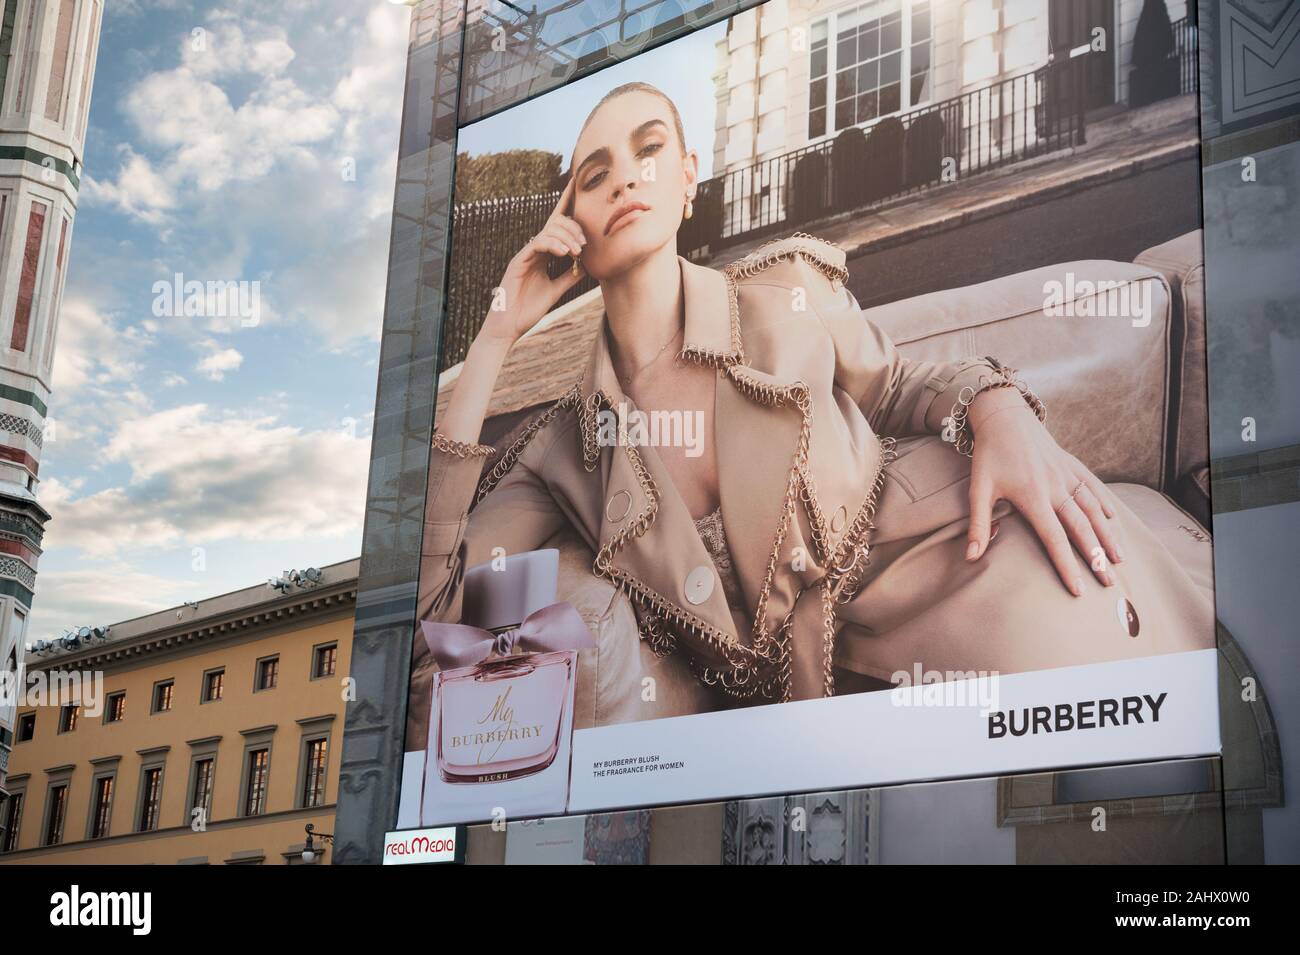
(309, 852)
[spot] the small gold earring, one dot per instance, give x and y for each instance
(690, 208)
(577, 267)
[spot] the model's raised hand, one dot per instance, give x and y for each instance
(527, 292)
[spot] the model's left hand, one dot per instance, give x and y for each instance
(1017, 460)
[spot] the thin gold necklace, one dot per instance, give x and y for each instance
(635, 374)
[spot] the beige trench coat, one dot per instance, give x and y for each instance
(811, 400)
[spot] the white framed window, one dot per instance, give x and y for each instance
(867, 61)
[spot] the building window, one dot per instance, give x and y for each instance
(162, 696)
(150, 798)
(313, 788)
(259, 762)
(324, 660)
(116, 708)
(818, 68)
(101, 807)
(857, 74)
(13, 819)
(268, 672)
(26, 727)
(58, 811)
(69, 716)
(201, 795)
(27, 275)
(214, 684)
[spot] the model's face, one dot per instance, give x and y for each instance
(631, 182)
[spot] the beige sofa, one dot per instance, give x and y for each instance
(1125, 393)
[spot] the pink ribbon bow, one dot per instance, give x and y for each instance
(557, 627)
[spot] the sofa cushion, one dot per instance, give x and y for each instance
(1098, 358)
(1181, 261)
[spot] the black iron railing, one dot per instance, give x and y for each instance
(1008, 121)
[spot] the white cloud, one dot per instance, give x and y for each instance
(100, 596)
(222, 48)
(218, 361)
(139, 190)
(93, 349)
(198, 477)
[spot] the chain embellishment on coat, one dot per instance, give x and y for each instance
(507, 460)
(854, 552)
(743, 661)
(461, 449)
(741, 679)
(712, 357)
(759, 259)
(956, 427)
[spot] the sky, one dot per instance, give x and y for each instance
(191, 456)
(683, 69)
(248, 141)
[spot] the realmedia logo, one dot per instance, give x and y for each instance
(421, 845)
(103, 908)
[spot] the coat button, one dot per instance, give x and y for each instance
(699, 584)
(619, 503)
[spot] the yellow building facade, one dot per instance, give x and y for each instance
(214, 736)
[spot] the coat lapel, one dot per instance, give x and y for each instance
(645, 532)
(645, 527)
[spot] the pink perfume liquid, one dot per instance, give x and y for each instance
(501, 719)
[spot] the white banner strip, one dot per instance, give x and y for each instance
(1125, 711)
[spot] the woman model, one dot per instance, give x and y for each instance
(820, 443)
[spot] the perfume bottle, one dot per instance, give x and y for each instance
(502, 719)
(503, 696)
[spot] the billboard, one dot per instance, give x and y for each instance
(820, 406)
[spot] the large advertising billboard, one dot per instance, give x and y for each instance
(821, 405)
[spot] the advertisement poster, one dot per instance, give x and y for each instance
(816, 410)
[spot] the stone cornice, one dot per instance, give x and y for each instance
(327, 600)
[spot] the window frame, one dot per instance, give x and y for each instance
(831, 19)
(201, 750)
(203, 685)
(148, 767)
(257, 738)
(108, 707)
(67, 709)
(272, 660)
(13, 820)
(62, 784)
(316, 653)
(154, 708)
(25, 719)
(246, 794)
(95, 811)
